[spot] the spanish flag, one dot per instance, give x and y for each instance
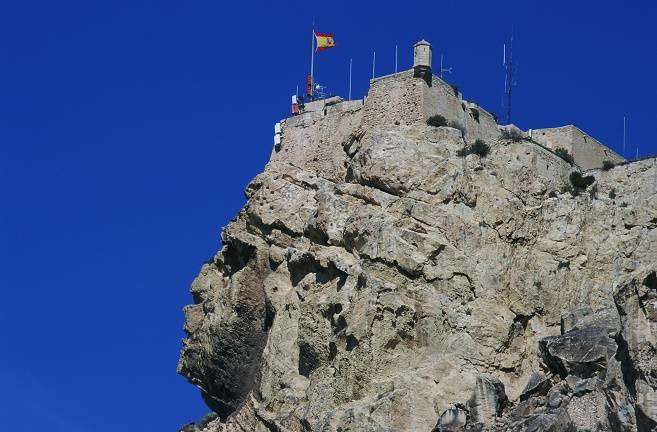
(324, 41)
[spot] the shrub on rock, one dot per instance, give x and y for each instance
(563, 154)
(512, 135)
(607, 165)
(480, 148)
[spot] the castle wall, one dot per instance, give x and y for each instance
(315, 139)
(442, 99)
(587, 152)
(334, 103)
(394, 99)
(401, 98)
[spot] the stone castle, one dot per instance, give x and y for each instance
(400, 98)
(379, 279)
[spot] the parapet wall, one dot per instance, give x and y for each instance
(314, 139)
(587, 152)
(394, 99)
(441, 98)
(402, 99)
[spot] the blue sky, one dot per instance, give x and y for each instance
(128, 131)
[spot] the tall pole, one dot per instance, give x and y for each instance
(312, 60)
(441, 66)
(350, 64)
(624, 128)
(509, 81)
(373, 63)
(510, 85)
(395, 58)
(443, 69)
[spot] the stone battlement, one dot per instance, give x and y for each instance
(587, 152)
(405, 98)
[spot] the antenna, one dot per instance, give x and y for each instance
(624, 133)
(373, 63)
(350, 64)
(443, 69)
(509, 81)
(320, 91)
(395, 58)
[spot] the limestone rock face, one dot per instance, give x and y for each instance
(378, 281)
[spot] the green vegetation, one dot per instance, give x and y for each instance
(607, 165)
(579, 182)
(437, 121)
(563, 154)
(475, 114)
(480, 148)
(512, 135)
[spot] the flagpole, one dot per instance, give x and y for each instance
(312, 61)
(350, 64)
(373, 63)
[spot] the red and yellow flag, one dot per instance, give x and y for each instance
(324, 41)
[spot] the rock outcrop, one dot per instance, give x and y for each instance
(378, 280)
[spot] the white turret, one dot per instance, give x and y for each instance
(422, 60)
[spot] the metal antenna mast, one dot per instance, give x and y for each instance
(624, 134)
(350, 64)
(443, 69)
(395, 58)
(509, 81)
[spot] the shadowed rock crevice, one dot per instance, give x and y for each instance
(650, 281)
(223, 357)
(301, 264)
(236, 255)
(309, 359)
(628, 370)
(644, 423)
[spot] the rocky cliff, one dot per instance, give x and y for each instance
(378, 279)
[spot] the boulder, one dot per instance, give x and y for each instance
(579, 352)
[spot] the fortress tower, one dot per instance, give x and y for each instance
(400, 98)
(422, 61)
